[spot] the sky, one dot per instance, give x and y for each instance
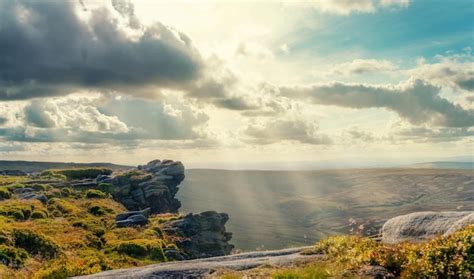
(237, 84)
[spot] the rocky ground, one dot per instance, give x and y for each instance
(207, 267)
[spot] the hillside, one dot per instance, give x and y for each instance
(33, 166)
(278, 209)
(444, 165)
(68, 222)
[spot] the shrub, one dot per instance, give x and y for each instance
(41, 187)
(5, 194)
(12, 256)
(35, 243)
(61, 206)
(106, 187)
(140, 248)
(351, 251)
(14, 186)
(96, 210)
(37, 214)
(78, 173)
(444, 257)
(95, 194)
(67, 191)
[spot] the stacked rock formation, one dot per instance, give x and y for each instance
(151, 189)
(153, 186)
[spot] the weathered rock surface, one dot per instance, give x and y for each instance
(202, 268)
(420, 226)
(203, 235)
(153, 186)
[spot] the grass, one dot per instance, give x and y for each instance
(77, 173)
(74, 233)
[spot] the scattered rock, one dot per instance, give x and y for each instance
(102, 178)
(420, 226)
(173, 255)
(33, 196)
(13, 172)
(376, 272)
(203, 235)
(28, 193)
(19, 191)
(126, 215)
(133, 221)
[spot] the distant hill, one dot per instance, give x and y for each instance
(279, 209)
(444, 165)
(30, 166)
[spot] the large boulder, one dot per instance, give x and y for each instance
(202, 235)
(420, 226)
(153, 186)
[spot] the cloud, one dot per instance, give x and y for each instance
(455, 71)
(49, 48)
(425, 134)
(414, 100)
(3, 120)
(37, 116)
(98, 119)
(400, 3)
(363, 66)
(346, 7)
(285, 130)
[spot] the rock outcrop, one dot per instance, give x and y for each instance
(420, 226)
(202, 235)
(153, 186)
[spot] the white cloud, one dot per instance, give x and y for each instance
(455, 71)
(363, 66)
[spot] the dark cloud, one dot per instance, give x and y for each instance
(415, 101)
(234, 103)
(3, 120)
(285, 130)
(36, 116)
(47, 50)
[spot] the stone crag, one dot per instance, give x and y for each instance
(151, 189)
(153, 186)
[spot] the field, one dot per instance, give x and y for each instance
(277, 209)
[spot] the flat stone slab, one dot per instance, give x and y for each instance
(202, 268)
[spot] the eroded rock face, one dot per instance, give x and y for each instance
(153, 186)
(420, 226)
(203, 235)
